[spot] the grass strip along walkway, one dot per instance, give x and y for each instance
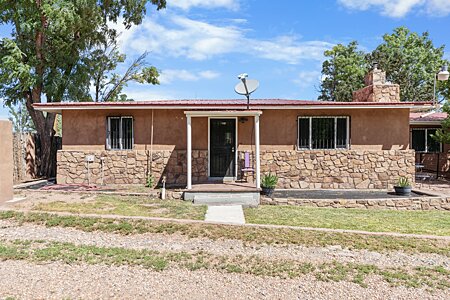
(410, 222)
(39, 251)
(250, 235)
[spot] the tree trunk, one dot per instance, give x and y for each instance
(44, 128)
(47, 155)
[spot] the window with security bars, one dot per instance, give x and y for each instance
(120, 135)
(422, 140)
(323, 132)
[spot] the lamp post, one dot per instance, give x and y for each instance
(442, 75)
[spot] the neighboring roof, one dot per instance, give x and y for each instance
(225, 104)
(423, 118)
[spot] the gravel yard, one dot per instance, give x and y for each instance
(10, 230)
(58, 279)
(62, 281)
(51, 257)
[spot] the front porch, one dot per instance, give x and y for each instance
(223, 162)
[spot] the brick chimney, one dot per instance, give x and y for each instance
(376, 89)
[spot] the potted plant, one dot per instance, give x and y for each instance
(403, 187)
(268, 184)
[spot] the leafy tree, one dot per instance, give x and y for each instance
(20, 118)
(50, 53)
(443, 134)
(410, 60)
(108, 84)
(343, 72)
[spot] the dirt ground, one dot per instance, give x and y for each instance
(29, 198)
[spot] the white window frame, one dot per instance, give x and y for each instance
(108, 132)
(347, 143)
(426, 140)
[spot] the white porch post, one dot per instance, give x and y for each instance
(258, 163)
(189, 152)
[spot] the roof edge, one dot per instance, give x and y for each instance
(58, 107)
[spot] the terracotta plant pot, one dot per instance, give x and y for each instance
(403, 190)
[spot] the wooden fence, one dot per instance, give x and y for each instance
(27, 157)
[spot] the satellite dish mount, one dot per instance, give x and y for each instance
(246, 87)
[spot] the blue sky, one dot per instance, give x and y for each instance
(200, 46)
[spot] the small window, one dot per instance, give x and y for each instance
(120, 135)
(323, 132)
(422, 140)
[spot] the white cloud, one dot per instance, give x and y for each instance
(400, 8)
(170, 75)
(188, 4)
(307, 78)
(209, 74)
(289, 49)
(199, 40)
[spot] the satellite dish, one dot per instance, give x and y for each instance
(246, 87)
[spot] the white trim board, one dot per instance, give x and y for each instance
(439, 123)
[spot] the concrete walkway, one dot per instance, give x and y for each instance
(232, 214)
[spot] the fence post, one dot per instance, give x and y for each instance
(437, 168)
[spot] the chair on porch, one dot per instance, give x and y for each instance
(247, 168)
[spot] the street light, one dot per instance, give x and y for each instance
(442, 75)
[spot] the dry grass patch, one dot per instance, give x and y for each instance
(249, 235)
(128, 206)
(252, 265)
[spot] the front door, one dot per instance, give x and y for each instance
(222, 139)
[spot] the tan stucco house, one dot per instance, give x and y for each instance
(364, 143)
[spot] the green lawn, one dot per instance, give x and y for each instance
(128, 206)
(419, 222)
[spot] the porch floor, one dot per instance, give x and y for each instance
(232, 186)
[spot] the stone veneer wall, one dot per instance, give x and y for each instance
(417, 203)
(130, 167)
(378, 93)
(338, 169)
(377, 89)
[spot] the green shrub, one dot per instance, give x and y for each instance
(269, 181)
(403, 182)
(150, 181)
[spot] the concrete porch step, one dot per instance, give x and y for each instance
(223, 198)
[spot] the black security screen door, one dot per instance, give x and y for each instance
(222, 147)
